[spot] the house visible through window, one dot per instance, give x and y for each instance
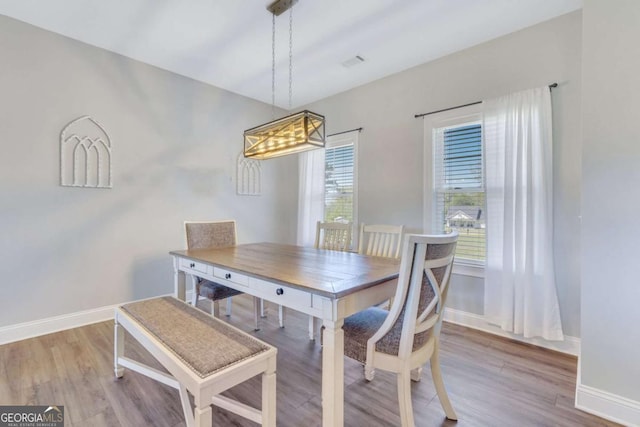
(459, 198)
(340, 180)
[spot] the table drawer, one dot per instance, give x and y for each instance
(195, 266)
(281, 294)
(231, 276)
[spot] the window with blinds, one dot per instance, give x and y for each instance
(339, 183)
(459, 188)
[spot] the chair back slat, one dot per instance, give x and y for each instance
(335, 236)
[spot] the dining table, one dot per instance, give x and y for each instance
(328, 285)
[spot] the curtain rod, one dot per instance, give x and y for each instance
(551, 86)
(345, 131)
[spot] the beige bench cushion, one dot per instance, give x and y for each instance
(203, 343)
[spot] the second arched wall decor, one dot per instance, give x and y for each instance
(248, 176)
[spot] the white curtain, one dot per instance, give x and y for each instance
(520, 290)
(310, 195)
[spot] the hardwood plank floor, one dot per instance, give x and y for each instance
(492, 381)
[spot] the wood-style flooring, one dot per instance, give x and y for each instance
(491, 381)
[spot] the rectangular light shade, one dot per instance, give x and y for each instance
(296, 133)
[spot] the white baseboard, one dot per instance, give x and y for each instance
(36, 328)
(570, 345)
(22, 331)
(607, 405)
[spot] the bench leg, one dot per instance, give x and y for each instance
(203, 416)
(118, 347)
(200, 417)
(269, 396)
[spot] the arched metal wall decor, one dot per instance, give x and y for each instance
(85, 155)
(248, 176)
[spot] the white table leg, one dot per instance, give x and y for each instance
(257, 304)
(194, 293)
(228, 307)
(263, 312)
(312, 328)
(281, 315)
(179, 287)
(333, 374)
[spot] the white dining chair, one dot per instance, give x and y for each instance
(380, 240)
(406, 337)
(210, 235)
(335, 236)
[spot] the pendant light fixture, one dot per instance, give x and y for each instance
(292, 134)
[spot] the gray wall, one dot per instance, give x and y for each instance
(391, 145)
(610, 348)
(63, 250)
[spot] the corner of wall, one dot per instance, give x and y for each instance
(607, 405)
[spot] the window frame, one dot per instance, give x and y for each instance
(458, 116)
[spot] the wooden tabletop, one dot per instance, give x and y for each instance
(332, 274)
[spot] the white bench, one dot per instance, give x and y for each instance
(203, 355)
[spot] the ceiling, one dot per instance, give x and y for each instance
(228, 43)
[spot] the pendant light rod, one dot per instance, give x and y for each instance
(273, 66)
(290, 56)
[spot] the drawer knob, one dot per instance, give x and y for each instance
(227, 276)
(192, 265)
(279, 291)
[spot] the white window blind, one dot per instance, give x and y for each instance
(459, 188)
(339, 183)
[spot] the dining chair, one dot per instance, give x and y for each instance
(210, 235)
(380, 240)
(404, 338)
(335, 236)
(383, 241)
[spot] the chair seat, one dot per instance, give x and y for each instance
(215, 291)
(361, 326)
(358, 328)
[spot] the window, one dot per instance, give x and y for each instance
(340, 181)
(328, 189)
(455, 192)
